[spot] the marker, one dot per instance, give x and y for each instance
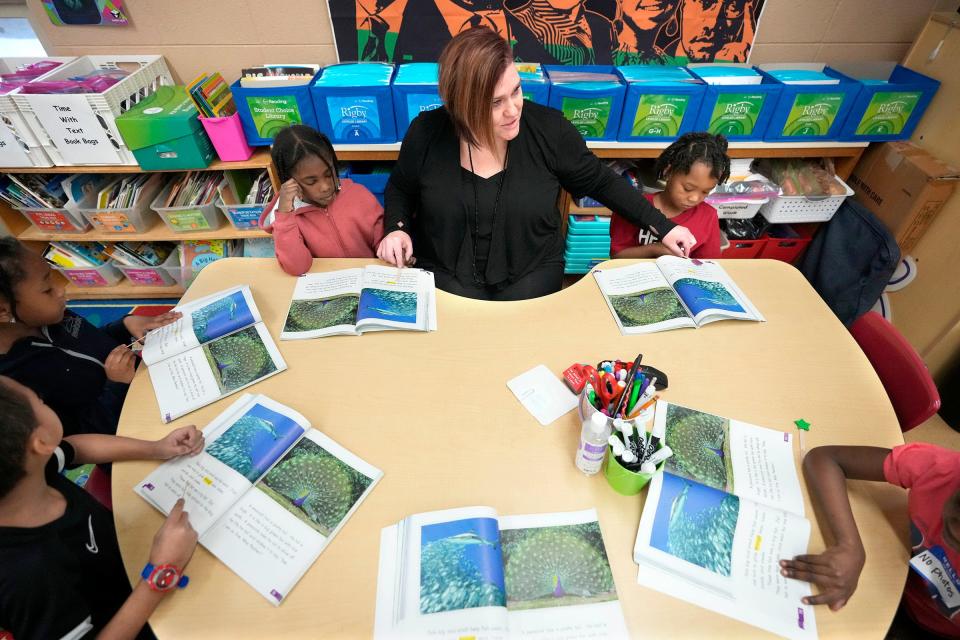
(616, 445)
(649, 391)
(628, 457)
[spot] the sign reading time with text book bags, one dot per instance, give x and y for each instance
(267, 494)
(217, 348)
(716, 523)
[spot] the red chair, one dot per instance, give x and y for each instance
(98, 485)
(903, 374)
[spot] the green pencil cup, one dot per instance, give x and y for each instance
(624, 481)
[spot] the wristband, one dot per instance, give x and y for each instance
(164, 577)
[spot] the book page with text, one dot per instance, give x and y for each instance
(706, 290)
(641, 300)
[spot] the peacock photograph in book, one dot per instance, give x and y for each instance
(315, 486)
(460, 566)
(556, 566)
(238, 359)
(381, 304)
(322, 313)
(701, 447)
(649, 307)
(221, 317)
(704, 294)
(696, 523)
(254, 441)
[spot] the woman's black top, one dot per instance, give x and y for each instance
(429, 198)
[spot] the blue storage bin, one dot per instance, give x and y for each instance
(264, 111)
(414, 91)
(588, 225)
(661, 103)
(533, 82)
(891, 101)
(594, 108)
(588, 243)
(354, 103)
(739, 105)
(373, 175)
(807, 112)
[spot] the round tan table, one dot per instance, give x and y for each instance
(442, 425)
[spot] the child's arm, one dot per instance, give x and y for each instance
(98, 448)
(174, 544)
(654, 250)
(836, 570)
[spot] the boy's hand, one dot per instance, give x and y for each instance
(120, 365)
(289, 190)
(175, 540)
(139, 325)
(184, 441)
(835, 571)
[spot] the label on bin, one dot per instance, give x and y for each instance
(245, 218)
(51, 221)
(148, 277)
(191, 220)
(113, 221)
(813, 114)
(86, 277)
(13, 148)
(735, 114)
(272, 113)
(888, 112)
(354, 117)
(588, 115)
(81, 136)
(417, 103)
(660, 115)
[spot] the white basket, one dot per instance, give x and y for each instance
(19, 147)
(165, 275)
(96, 113)
(804, 209)
(106, 275)
(198, 217)
(738, 209)
(136, 219)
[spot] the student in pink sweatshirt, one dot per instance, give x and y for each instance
(315, 214)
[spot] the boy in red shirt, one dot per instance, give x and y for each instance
(932, 476)
(692, 166)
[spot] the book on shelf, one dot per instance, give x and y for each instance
(278, 75)
(77, 255)
(211, 96)
(672, 293)
(141, 254)
(472, 573)
(193, 188)
(219, 346)
(718, 520)
(353, 301)
(267, 494)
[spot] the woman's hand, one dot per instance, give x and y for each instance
(679, 241)
(184, 441)
(139, 325)
(396, 248)
(289, 191)
(120, 365)
(835, 571)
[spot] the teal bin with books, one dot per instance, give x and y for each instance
(354, 103)
(814, 101)
(264, 111)
(737, 100)
(415, 90)
(164, 133)
(590, 97)
(891, 101)
(661, 103)
(533, 82)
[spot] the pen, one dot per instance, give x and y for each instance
(632, 377)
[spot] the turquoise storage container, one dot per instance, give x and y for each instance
(891, 101)
(661, 103)
(265, 111)
(806, 112)
(354, 103)
(594, 107)
(533, 82)
(740, 108)
(581, 225)
(414, 91)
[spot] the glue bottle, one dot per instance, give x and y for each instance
(593, 443)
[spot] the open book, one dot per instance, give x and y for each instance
(218, 347)
(672, 293)
(352, 301)
(718, 520)
(470, 573)
(267, 494)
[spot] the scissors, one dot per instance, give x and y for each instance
(604, 386)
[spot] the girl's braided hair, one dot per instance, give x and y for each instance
(298, 141)
(11, 269)
(689, 148)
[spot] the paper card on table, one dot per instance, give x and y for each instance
(542, 394)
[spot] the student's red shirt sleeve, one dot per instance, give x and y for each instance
(908, 463)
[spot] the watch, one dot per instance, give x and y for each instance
(163, 577)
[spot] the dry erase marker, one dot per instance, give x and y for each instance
(616, 445)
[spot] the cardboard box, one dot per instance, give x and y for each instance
(905, 187)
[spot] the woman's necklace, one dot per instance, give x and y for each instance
(476, 206)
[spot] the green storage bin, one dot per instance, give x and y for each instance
(164, 132)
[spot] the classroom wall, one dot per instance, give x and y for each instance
(227, 35)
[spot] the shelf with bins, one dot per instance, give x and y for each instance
(30, 234)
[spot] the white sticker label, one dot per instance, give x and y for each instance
(931, 568)
(153, 110)
(75, 129)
